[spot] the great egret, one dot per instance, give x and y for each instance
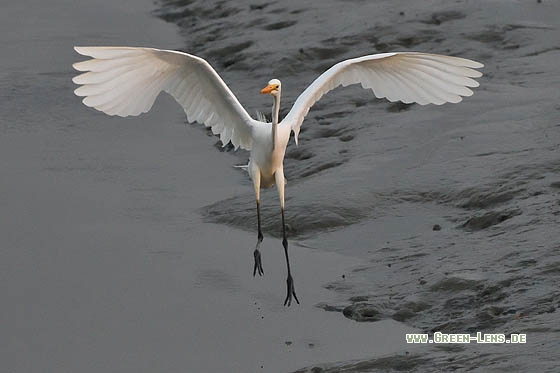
(126, 81)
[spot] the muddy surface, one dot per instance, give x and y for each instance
(127, 243)
(454, 208)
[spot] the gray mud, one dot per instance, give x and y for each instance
(126, 243)
(106, 263)
(373, 179)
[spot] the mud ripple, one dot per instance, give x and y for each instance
(279, 25)
(489, 219)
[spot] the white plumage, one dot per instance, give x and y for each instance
(126, 81)
(408, 77)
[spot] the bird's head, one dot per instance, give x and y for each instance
(273, 88)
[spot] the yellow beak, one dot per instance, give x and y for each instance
(269, 88)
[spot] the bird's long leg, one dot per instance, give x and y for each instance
(256, 176)
(257, 254)
(291, 291)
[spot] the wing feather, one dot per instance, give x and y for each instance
(126, 81)
(435, 95)
(412, 91)
(409, 77)
(440, 81)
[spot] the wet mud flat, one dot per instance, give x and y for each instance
(453, 209)
(106, 262)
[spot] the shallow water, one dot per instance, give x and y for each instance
(115, 258)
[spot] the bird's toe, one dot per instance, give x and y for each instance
(258, 263)
(291, 292)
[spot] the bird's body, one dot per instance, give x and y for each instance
(126, 81)
(266, 156)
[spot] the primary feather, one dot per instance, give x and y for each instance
(126, 81)
(409, 77)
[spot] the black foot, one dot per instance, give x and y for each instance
(291, 292)
(257, 254)
(258, 263)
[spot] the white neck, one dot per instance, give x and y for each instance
(275, 113)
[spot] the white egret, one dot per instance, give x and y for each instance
(126, 81)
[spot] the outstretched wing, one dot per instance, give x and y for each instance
(126, 81)
(403, 76)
